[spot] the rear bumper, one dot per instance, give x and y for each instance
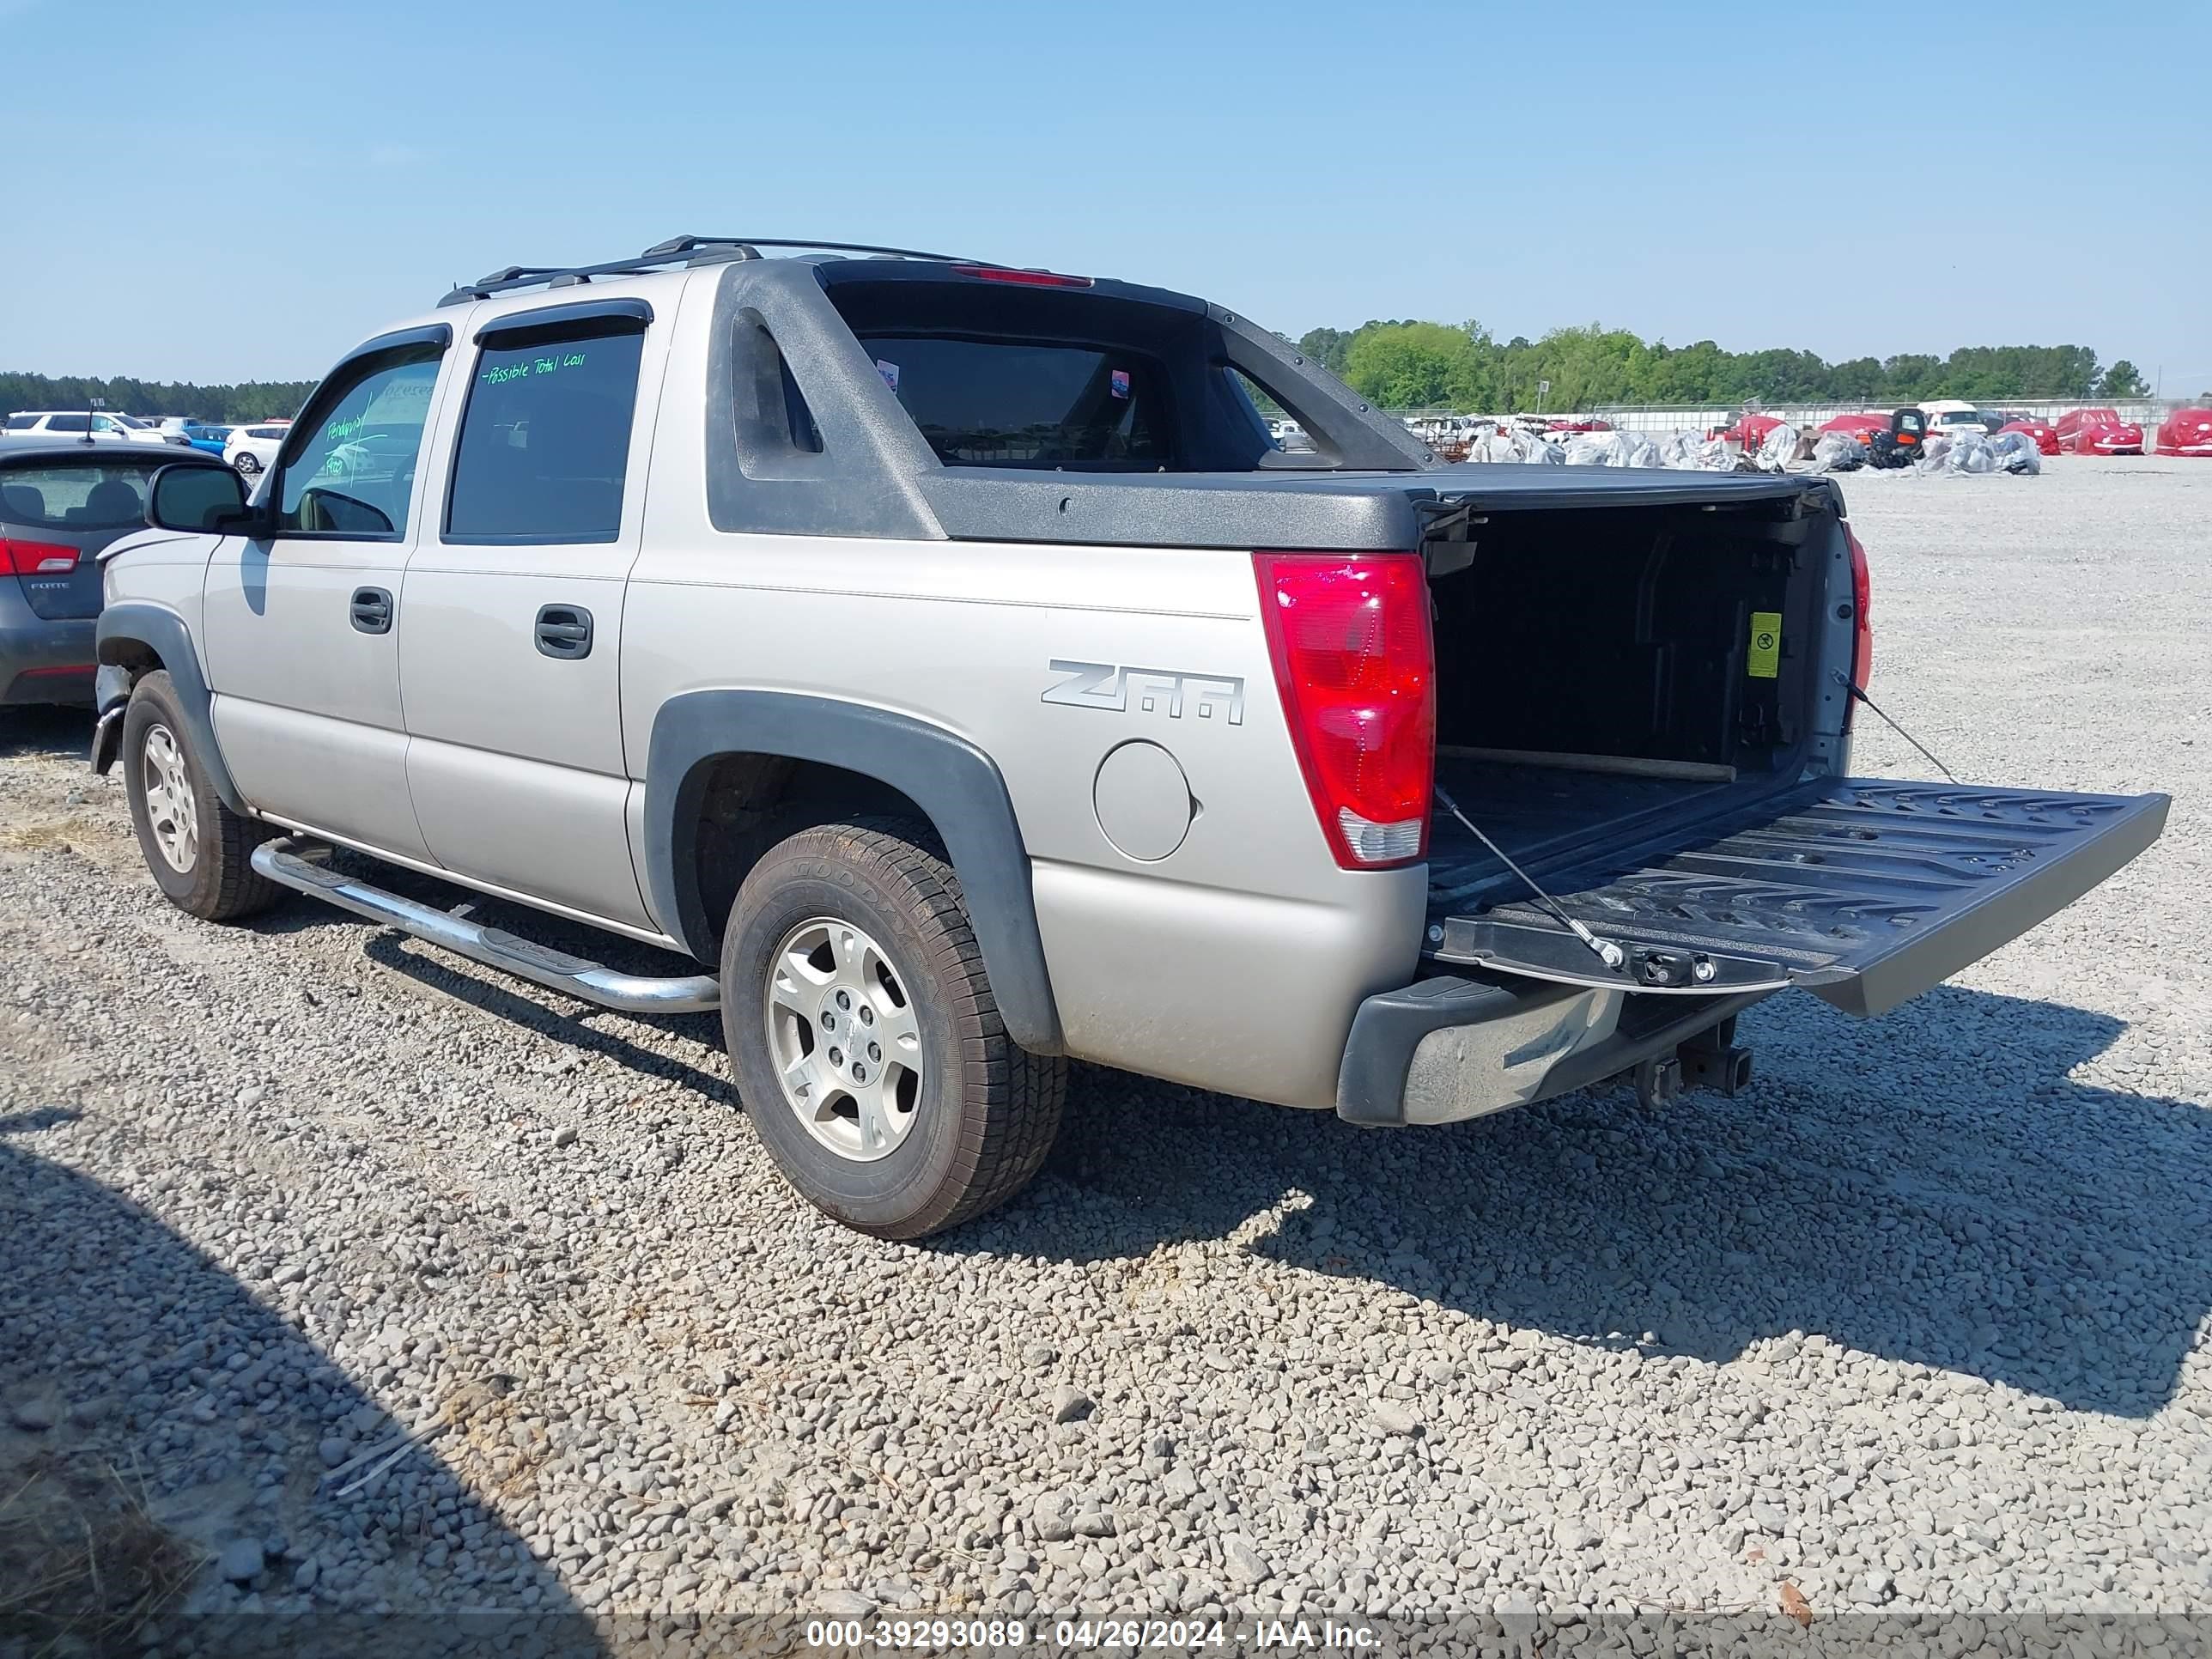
(43, 661)
(1449, 1049)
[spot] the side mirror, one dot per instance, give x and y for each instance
(188, 497)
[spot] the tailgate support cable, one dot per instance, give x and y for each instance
(1606, 950)
(1844, 681)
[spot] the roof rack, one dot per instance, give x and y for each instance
(678, 250)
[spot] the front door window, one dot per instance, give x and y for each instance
(352, 473)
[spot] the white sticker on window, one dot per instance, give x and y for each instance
(890, 372)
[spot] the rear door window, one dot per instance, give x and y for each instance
(78, 495)
(983, 402)
(545, 440)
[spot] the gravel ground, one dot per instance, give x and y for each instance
(1917, 1323)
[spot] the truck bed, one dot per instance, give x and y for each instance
(1540, 814)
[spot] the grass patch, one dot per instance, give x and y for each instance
(83, 1564)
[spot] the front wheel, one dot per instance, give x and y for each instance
(868, 1048)
(197, 850)
(247, 463)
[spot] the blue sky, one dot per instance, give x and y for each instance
(221, 192)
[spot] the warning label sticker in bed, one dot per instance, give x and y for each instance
(1766, 659)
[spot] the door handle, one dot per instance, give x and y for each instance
(371, 610)
(564, 631)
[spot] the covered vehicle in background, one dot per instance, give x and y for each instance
(2186, 432)
(1899, 443)
(2044, 434)
(61, 501)
(1750, 431)
(1948, 417)
(2097, 432)
(1862, 427)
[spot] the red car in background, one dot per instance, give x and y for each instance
(2097, 432)
(1862, 427)
(1750, 431)
(2186, 432)
(1570, 427)
(2045, 433)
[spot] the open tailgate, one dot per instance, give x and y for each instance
(1863, 890)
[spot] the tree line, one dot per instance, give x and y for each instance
(222, 405)
(1414, 365)
(1419, 365)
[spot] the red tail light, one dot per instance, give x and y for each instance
(1862, 596)
(1023, 278)
(36, 558)
(1356, 665)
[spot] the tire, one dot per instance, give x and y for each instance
(196, 848)
(247, 463)
(898, 1148)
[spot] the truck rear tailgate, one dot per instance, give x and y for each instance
(1865, 892)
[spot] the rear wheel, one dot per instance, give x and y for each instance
(868, 1046)
(196, 849)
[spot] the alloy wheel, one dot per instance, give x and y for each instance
(843, 1035)
(172, 810)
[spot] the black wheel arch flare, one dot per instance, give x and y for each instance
(958, 785)
(133, 628)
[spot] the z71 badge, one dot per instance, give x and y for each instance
(1103, 685)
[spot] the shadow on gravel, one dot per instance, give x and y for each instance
(427, 965)
(1928, 1188)
(167, 1454)
(41, 731)
(562, 1018)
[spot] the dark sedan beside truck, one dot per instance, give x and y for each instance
(61, 503)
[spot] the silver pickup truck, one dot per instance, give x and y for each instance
(942, 658)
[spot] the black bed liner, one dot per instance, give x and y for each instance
(1865, 892)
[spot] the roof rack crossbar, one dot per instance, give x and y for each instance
(676, 249)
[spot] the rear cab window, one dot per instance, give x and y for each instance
(1013, 373)
(68, 494)
(983, 402)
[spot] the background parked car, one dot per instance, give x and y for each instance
(2045, 433)
(199, 434)
(251, 448)
(61, 501)
(2186, 432)
(2097, 432)
(80, 423)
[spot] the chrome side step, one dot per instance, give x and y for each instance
(633, 993)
